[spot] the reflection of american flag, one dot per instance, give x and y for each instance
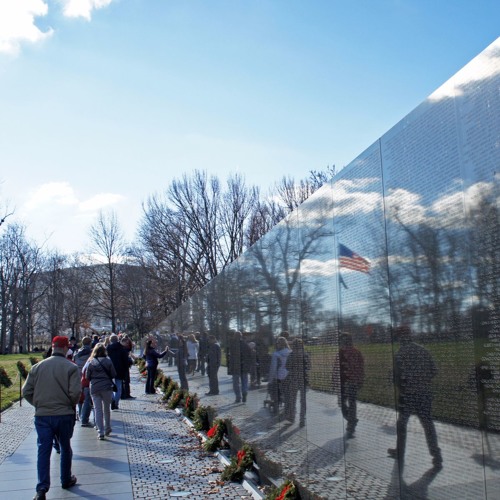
(351, 260)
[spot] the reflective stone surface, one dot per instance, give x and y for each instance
(383, 293)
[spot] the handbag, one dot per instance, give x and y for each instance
(113, 386)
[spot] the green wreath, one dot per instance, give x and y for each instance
(200, 418)
(22, 370)
(190, 405)
(240, 463)
(287, 491)
(4, 378)
(215, 435)
(176, 399)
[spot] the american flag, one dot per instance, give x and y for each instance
(353, 261)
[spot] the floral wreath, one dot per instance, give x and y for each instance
(287, 491)
(4, 378)
(240, 463)
(200, 418)
(22, 370)
(176, 399)
(215, 435)
(190, 405)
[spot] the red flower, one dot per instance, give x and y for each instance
(188, 400)
(283, 493)
(240, 455)
(211, 433)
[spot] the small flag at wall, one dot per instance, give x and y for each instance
(353, 261)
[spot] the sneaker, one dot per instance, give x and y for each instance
(108, 432)
(392, 452)
(87, 424)
(100, 437)
(40, 495)
(70, 483)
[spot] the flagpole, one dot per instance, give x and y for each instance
(339, 286)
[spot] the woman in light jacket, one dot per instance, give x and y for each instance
(99, 371)
(192, 346)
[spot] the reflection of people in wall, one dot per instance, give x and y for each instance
(414, 370)
(348, 378)
(278, 372)
(298, 366)
(239, 361)
(213, 365)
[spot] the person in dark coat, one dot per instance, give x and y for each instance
(127, 344)
(298, 366)
(348, 378)
(119, 357)
(152, 356)
(414, 370)
(213, 365)
(240, 358)
(202, 353)
(181, 358)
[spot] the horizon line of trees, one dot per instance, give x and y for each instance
(187, 235)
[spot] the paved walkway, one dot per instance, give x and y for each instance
(151, 454)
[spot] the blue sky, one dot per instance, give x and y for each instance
(104, 102)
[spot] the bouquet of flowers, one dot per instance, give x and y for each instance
(215, 435)
(240, 463)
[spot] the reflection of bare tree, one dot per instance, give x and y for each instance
(279, 257)
(427, 274)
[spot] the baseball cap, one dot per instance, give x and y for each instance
(60, 341)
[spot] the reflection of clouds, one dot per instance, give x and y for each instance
(352, 196)
(480, 68)
(405, 207)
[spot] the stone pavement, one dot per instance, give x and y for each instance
(331, 466)
(151, 454)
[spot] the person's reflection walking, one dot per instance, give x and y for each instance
(348, 378)
(298, 366)
(414, 370)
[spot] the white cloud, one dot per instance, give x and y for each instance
(83, 8)
(17, 24)
(54, 195)
(101, 200)
(51, 193)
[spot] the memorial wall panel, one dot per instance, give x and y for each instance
(369, 319)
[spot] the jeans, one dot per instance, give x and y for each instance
(86, 406)
(102, 411)
(150, 381)
(48, 428)
(243, 389)
(118, 394)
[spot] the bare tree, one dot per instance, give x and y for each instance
(19, 265)
(108, 245)
(78, 295)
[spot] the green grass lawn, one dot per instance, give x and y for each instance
(9, 363)
(454, 398)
